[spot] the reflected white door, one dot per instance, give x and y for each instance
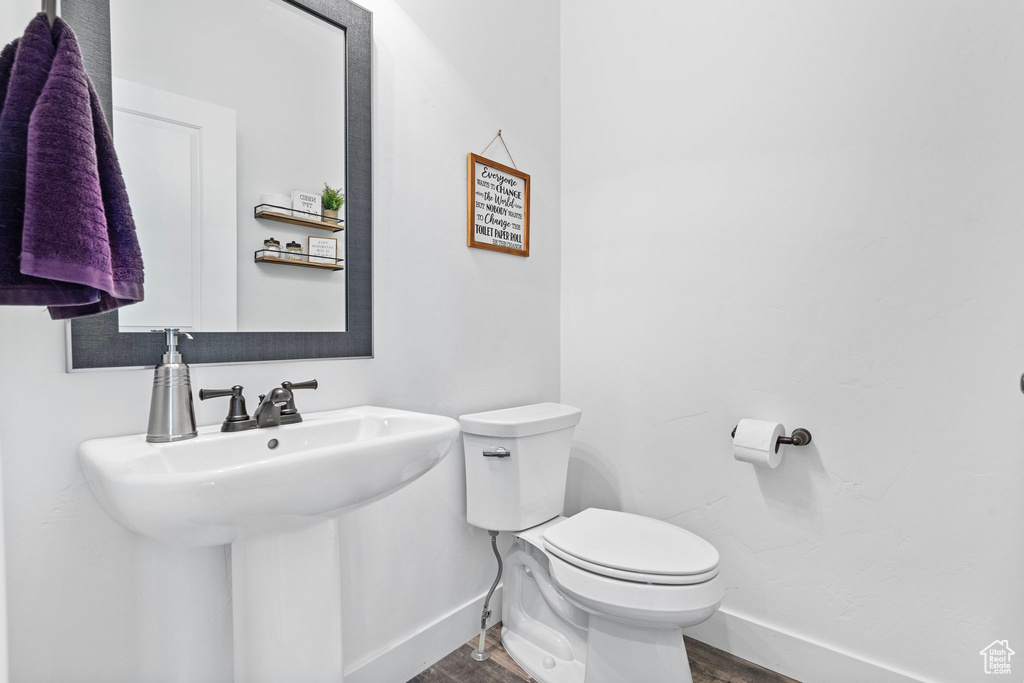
(179, 162)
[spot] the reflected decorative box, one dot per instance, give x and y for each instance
(306, 205)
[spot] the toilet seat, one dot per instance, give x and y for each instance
(637, 577)
(647, 604)
(627, 547)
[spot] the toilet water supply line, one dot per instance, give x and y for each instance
(480, 654)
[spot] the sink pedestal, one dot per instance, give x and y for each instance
(286, 596)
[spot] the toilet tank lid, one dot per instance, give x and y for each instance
(538, 418)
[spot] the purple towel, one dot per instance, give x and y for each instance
(78, 224)
(6, 64)
(24, 67)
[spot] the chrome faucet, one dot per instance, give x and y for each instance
(275, 408)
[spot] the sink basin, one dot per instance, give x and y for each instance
(219, 487)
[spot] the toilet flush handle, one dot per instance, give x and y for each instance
(499, 452)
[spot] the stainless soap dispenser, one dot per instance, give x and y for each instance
(171, 415)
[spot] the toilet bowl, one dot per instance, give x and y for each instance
(598, 597)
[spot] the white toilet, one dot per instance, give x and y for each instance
(599, 597)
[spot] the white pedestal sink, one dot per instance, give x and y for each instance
(273, 494)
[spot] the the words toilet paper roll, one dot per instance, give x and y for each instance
(755, 442)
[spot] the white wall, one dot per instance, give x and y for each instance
(808, 212)
(456, 330)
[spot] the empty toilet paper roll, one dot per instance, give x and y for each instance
(755, 442)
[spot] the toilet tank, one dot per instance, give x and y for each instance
(516, 464)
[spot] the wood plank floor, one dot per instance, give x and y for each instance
(707, 664)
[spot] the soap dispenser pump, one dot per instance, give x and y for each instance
(171, 414)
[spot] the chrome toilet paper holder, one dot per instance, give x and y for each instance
(800, 437)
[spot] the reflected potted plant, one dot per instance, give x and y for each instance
(332, 199)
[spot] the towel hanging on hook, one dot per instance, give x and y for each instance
(68, 255)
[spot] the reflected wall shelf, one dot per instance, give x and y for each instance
(281, 257)
(280, 214)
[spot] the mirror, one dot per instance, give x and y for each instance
(229, 118)
(208, 124)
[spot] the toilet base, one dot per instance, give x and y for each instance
(539, 663)
(617, 653)
(557, 641)
(614, 655)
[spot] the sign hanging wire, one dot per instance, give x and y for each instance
(498, 137)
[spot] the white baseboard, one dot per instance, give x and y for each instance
(795, 656)
(418, 650)
(792, 655)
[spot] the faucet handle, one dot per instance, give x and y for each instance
(308, 384)
(218, 393)
(236, 409)
(290, 409)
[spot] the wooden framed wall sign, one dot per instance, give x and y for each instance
(499, 207)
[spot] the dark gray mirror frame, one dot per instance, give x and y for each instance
(95, 342)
